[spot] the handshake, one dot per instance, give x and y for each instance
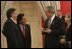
(48, 30)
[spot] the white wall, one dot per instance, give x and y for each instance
(33, 15)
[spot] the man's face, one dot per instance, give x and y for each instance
(14, 15)
(59, 13)
(48, 14)
(24, 20)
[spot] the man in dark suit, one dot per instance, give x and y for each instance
(54, 28)
(59, 14)
(25, 30)
(11, 30)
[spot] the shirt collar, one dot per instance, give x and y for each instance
(53, 17)
(14, 20)
(60, 16)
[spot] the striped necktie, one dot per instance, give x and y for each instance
(23, 31)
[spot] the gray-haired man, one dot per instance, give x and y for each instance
(54, 27)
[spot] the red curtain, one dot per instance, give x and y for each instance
(65, 7)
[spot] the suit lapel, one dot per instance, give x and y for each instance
(15, 25)
(53, 22)
(19, 28)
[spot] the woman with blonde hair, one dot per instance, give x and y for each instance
(68, 29)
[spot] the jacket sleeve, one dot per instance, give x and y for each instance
(9, 32)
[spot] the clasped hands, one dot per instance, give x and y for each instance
(48, 30)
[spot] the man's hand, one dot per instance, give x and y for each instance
(49, 30)
(46, 30)
(42, 29)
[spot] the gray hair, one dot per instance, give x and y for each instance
(51, 9)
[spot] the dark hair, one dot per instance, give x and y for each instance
(9, 12)
(19, 18)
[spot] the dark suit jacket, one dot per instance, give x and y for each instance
(63, 18)
(27, 39)
(13, 35)
(57, 27)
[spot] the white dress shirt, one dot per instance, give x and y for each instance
(21, 26)
(52, 18)
(14, 20)
(60, 16)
